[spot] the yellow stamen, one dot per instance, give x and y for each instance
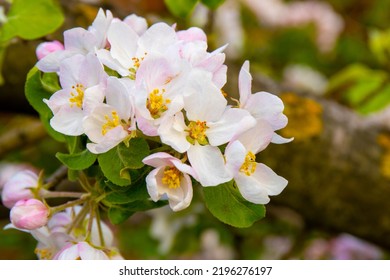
(77, 98)
(43, 254)
(110, 122)
(197, 132)
(136, 64)
(171, 177)
(249, 165)
(156, 103)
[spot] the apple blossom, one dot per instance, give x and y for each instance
(255, 181)
(83, 81)
(45, 48)
(170, 178)
(19, 187)
(262, 105)
(80, 251)
(29, 214)
(79, 41)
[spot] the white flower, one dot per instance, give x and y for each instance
(111, 123)
(255, 181)
(128, 49)
(170, 178)
(82, 80)
(210, 123)
(79, 41)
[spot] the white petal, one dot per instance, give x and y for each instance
(111, 139)
(257, 138)
(277, 139)
(138, 24)
(172, 132)
(79, 39)
(205, 101)
(235, 154)
(92, 71)
(68, 121)
(58, 100)
(93, 97)
(118, 96)
(70, 70)
(263, 182)
(181, 197)
(106, 58)
(87, 252)
(158, 159)
(269, 107)
(151, 183)
(245, 83)
(233, 122)
(156, 39)
(52, 61)
(209, 165)
(123, 42)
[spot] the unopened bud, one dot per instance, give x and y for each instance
(29, 214)
(45, 48)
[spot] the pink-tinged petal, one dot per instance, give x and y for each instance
(192, 34)
(68, 121)
(108, 235)
(93, 97)
(157, 38)
(235, 154)
(181, 197)
(251, 189)
(137, 23)
(146, 126)
(100, 27)
(118, 96)
(152, 184)
(205, 101)
(277, 139)
(159, 159)
(70, 70)
(106, 58)
(257, 138)
(233, 122)
(184, 168)
(46, 48)
(29, 214)
(172, 132)
(92, 72)
(80, 40)
(87, 252)
(58, 100)
(269, 107)
(68, 252)
(111, 139)
(123, 42)
(52, 61)
(245, 83)
(220, 76)
(154, 72)
(19, 187)
(209, 165)
(263, 182)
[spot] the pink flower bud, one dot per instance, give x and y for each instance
(29, 214)
(18, 187)
(45, 48)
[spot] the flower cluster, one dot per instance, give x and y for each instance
(63, 232)
(122, 79)
(121, 82)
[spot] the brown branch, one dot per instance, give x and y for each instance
(21, 136)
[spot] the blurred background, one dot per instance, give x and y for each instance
(328, 60)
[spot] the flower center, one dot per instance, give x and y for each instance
(171, 177)
(156, 103)
(111, 122)
(136, 64)
(44, 254)
(249, 165)
(77, 98)
(197, 132)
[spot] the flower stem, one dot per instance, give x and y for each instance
(51, 194)
(69, 204)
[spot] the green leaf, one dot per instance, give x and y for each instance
(377, 102)
(226, 203)
(77, 161)
(35, 92)
(181, 8)
(32, 19)
(118, 215)
(134, 193)
(116, 163)
(212, 4)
